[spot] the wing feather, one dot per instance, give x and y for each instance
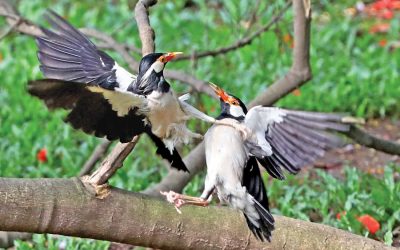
(297, 138)
(93, 109)
(66, 54)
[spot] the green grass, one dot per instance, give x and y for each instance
(351, 73)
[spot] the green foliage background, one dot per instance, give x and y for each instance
(351, 73)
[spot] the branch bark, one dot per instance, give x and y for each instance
(65, 206)
(363, 138)
(146, 32)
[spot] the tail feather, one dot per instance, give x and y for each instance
(253, 201)
(264, 225)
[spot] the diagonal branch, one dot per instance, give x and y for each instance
(96, 156)
(363, 138)
(241, 42)
(66, 207)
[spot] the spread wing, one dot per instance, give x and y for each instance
(66, 54)
(292, 139)
(104, 113)
(114, 114)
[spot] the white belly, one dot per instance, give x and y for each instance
(164, 112)
(226, 155)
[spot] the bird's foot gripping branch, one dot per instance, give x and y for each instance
(180, 200)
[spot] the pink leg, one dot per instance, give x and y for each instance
(180, 199)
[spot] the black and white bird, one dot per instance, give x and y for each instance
(280, 139)
(104, 98)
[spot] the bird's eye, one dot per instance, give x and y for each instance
(162, 59)
(235, 102)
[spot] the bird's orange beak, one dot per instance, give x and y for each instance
(171, 55)
(220, 92)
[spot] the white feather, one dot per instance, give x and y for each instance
(236, 111)
(122, 102)
(226, 158)
(258, 119)
(124, 78)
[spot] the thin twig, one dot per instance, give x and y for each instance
(241, 42)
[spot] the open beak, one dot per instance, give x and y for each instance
(220, 92)
(171, 55)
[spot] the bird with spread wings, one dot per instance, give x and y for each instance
(278, 139)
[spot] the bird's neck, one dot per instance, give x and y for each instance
(225, 115)
(146, 85)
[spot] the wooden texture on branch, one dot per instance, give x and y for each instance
(64, 206)
(146, 32)
(368, 140)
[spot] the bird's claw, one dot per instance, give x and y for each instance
(174, 198)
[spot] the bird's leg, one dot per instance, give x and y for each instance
(180, 200)
(243, 129)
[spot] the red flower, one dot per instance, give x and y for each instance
(382, 42)
(42, 155)
(340, 214)
(369, 223)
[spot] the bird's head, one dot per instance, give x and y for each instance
(155, 62)
(230, 105)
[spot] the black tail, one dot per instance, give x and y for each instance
(174, 159)
(263, 227)
(254, 184)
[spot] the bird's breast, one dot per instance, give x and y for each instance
(164, 111)
(225, 152)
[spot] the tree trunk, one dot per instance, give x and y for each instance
(67, 207)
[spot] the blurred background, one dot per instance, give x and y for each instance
(355, 58)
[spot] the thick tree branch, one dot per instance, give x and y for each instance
(64, 206)
(241, 42)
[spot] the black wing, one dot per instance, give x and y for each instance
(297, 138)
(94, 114)
(66, 54)
(90, 111)
(254, 184)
